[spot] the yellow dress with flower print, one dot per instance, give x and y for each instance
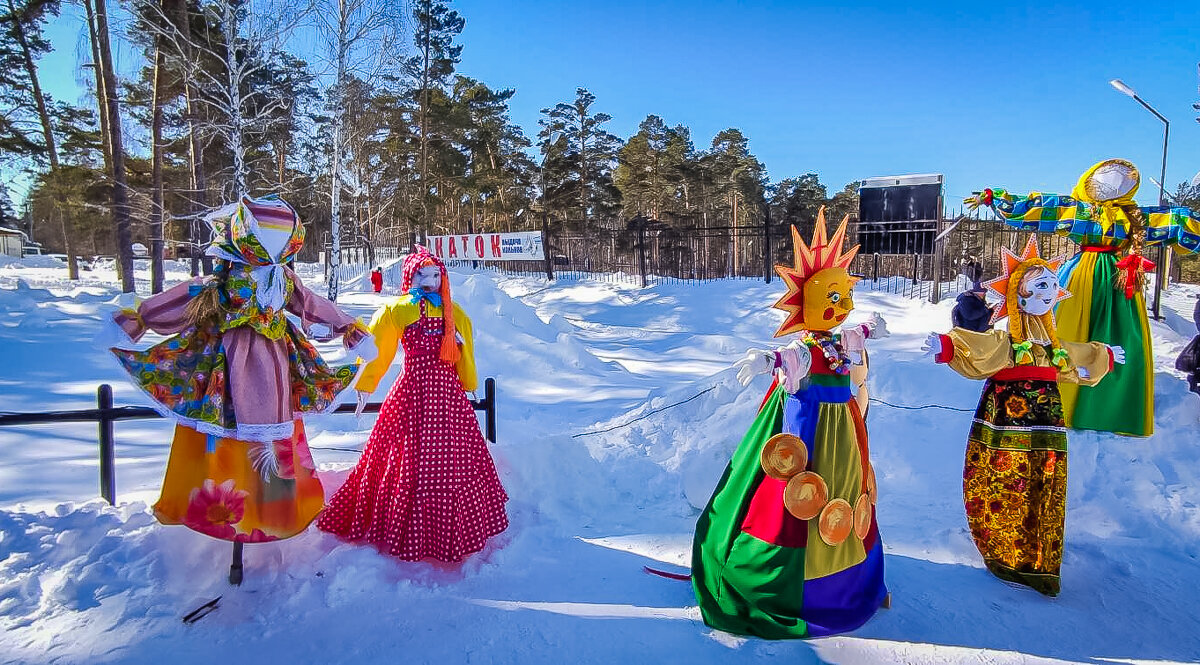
(1015, 473)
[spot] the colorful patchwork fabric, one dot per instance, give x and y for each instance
(244, 309)
(1081, 222)
(235, 235)
(188, 378)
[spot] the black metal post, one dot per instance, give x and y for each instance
(1160, 272)
(915, 286)
(546, 242)
(489, 396)
(766, 242)
(641, 227)
(235, 568)
(108, 476)
(939, 246)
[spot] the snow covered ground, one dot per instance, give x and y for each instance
(617, 414)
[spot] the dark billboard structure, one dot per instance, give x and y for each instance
(899, 214)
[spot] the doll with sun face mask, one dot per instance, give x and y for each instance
(788, 545)
(1015, 474)
(425, 486)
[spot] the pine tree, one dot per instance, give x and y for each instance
(650, 173)
(739, 178)
(590, 155)
(430, 69)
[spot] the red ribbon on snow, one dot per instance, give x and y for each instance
(1132, 265)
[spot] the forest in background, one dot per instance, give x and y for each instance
(356, 113)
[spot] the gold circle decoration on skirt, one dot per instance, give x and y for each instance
(872, 488)
(806, 493)
(837, 520)
(783, 456)
(862, 516)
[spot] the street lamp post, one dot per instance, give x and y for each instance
(1160, 271)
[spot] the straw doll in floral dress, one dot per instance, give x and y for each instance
(237, 375)
(425, 486)
(1015, 474)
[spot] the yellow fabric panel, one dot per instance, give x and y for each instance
(1073, 320)
(466, 361)
(277, 507)
(388, 326)
(1148, 354)
(837, 459)
(978, 355)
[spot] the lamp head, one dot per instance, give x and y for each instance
(1120, 87)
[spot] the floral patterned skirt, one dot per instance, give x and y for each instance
(1015, 482)
(222, 488)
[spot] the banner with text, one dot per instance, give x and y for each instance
(522, 246)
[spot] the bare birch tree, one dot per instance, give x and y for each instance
(361, 40)
(224, 101)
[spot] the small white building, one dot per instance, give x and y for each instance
(11, 242)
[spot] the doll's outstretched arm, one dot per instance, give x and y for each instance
(313, 308)
(164, 313)
(385, 337)
(793, 363)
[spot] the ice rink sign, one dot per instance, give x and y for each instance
(521, 246)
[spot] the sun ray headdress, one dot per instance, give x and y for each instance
(1008, 287)
(823, 252)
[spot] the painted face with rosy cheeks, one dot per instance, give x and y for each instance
(428, 278)
(1038, 291)
(828, 298)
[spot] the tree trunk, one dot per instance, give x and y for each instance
(120, 193)
(426, 47)
(156, 156)
(231, 30)
(198, 202)
(335, 181)
(39, 101)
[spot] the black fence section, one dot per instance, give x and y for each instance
(650, 252)
(105, 414)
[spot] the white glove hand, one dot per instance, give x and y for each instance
(1118, 354)
(362, 403)
(755, 362)
(319, 331)
(878, 326)
(474, 397)
(933, 345)
(1083, 373)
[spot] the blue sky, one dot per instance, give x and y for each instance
(989, 95)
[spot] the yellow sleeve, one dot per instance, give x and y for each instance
(1092, 356)
(980, 355)
(387, 326)
(466, 360)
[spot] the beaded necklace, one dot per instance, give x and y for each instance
(838, 361)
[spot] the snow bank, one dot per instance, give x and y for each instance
(617, 415)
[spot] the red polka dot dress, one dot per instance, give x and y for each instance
(425, 486)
